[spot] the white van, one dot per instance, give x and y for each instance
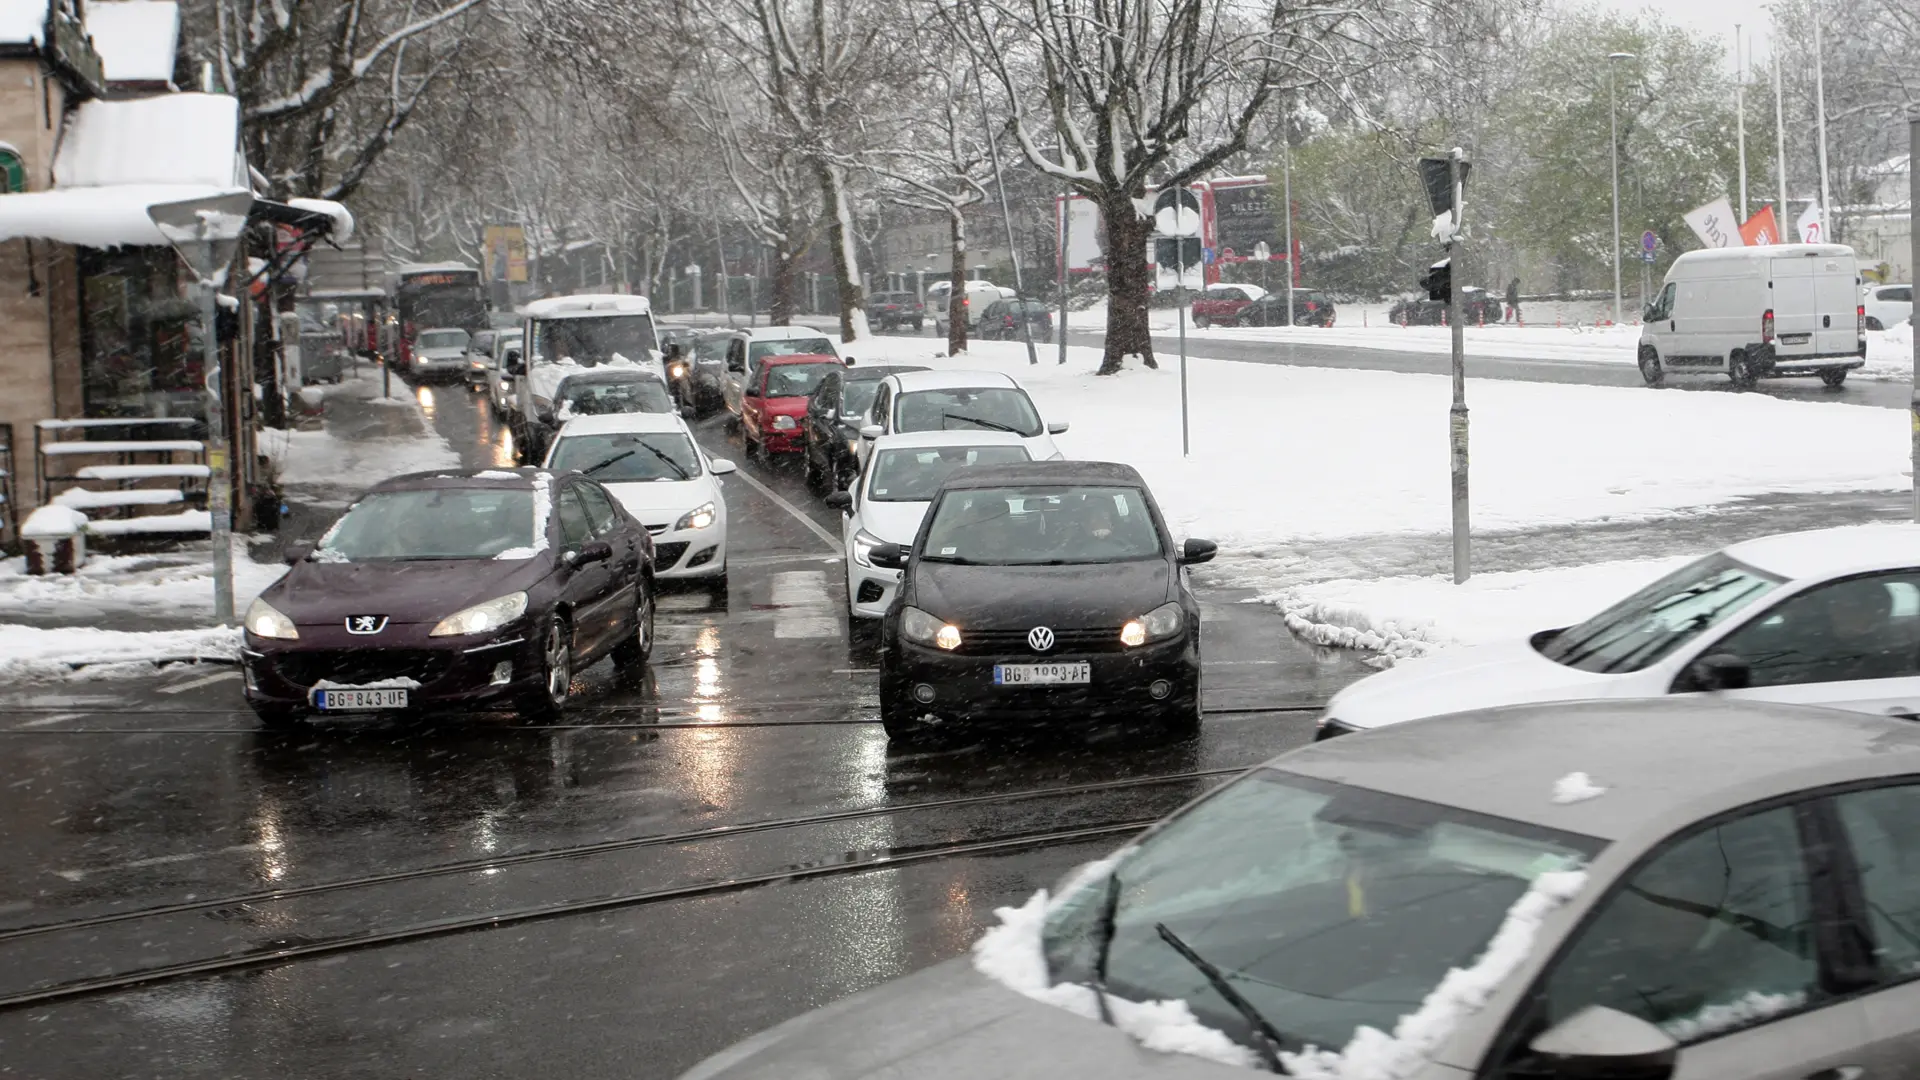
(1755, 313)
(979, 294)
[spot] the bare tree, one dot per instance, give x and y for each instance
(1113, 97)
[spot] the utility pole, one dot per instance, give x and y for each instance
(1066, 252)
(1613, 144)
(1006, 217)
(1779, 146)
(1740, 114)
(1913, 201)
(1286, 192)
(1457, 415)
(1820, 119)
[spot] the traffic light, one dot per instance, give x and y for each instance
(1438, 280)
(1177, 253)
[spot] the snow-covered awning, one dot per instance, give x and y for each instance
(99, 217)
(137, 39)
(342, 229)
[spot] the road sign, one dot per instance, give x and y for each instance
(1646, 256)
(1262, 252)
(1649, 243)
(1176, 212)
(1206, 255)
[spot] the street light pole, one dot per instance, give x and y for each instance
(1613, 145)
(1286, 193)
(1913, 197)
(1457, 413)
(1006, 217)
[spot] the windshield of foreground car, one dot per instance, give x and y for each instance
(1325, 906)
(915, 474)
(1029, 526)
(442, 339)
(637, 395)
(627, 457)
(987, 408)
(441, 523)
(797, 380)
(1647, 626)
(594, 340)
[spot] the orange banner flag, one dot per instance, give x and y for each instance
(1760, 229)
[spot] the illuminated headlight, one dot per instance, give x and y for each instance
(697, 518)
(477, 365)
(263, 620)
(678, 370)
(1159, 624)
(481, 618)
(918, 626)
(784, 423)
(863, 544)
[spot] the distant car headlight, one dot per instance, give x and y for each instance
(918, 626)
(784, 423)
(863, 544)
(678, 370)
(1159, 624)
(481, 618)
(263, 620)
(697, 518)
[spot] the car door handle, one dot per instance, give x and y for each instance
(1838, 1072)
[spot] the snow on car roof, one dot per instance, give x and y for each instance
(1764, 251)
(623, 423)
(780, 333)
(587, 306)
(950, 379)
(1664, 761)
(1824, 553)
(914, 439)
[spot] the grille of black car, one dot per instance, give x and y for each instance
(666, 556)
(358, 666)
(1003, 642)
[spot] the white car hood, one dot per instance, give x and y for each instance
(442, 354)
(660, 501)
(1474, 677)
(893, 522)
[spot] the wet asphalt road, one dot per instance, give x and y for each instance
(678, 864)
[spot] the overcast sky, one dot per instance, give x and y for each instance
(1716, 17)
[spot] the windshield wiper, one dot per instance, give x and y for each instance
(1103, 927)
(614, 460)
(1267, 1035)
(954, 559)
(944, 417)
(671, 464)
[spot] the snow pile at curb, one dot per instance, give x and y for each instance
(1404, 617)
(1374, 1055)
(1889, 354)
(136, 584)
(28, 651)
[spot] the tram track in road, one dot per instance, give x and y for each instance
(245, 930)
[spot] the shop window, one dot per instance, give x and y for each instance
(13, 172)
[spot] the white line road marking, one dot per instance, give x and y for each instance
(802, 608)
(205, 680)
(161, 860)
(832, 541)
(54, 719)
(856, 671)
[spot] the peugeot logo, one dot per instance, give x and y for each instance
(366, 624)
(1041, 638)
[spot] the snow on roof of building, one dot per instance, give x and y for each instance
(137, 39)
(119, 157)
(22, 22)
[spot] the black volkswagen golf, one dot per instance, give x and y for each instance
(1043, 592)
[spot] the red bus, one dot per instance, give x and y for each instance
(448, 295)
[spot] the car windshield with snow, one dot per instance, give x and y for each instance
(604, 392)
(595, 339)
(435, 524)
(812, 346)
(627, 457)
(984, 408)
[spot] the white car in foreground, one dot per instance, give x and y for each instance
(887, 503)
(958, 401)
(1830, 617)
(650, 462)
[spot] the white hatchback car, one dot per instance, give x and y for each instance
(650, 462)
(1887, 305)
(1830, 617)
(887, 503)
(958, 401)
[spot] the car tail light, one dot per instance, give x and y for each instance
(1860, 320)
(1311, 306)
(1766, 328)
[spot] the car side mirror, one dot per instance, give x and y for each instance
(1598, 1042)
(721, 466)
(751, 390)
(839, 500)
(1194, 552)
(297, 553)
(514, 363)
(872, 431)
(1057, 428)
(1717, 671)
(888, 556)
(593, 551)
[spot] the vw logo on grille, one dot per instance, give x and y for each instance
(366, 624)
(1041, 638)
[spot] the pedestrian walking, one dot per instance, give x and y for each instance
(1513, 300)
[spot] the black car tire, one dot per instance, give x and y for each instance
(278, 717)
(916, 326)
(897, 716)
(816, 476)
(548, 696)
(1650, 370)
(719, 591)
(632, 655)
(1874, 324)
(1833, 376)
(1182, 718)
(1741, 370)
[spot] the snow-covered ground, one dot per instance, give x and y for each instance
(1284, 454)
(30, 652)
(172, 587)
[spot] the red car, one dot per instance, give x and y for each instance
(1221, 305)
(773, 409)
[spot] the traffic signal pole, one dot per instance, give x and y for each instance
(1180, 309)
(1457, 415)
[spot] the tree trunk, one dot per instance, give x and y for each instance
(785, 270)
(957, 293)
(846, 262)
(1127, 331)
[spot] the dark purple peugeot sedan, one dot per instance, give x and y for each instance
(454, 590)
